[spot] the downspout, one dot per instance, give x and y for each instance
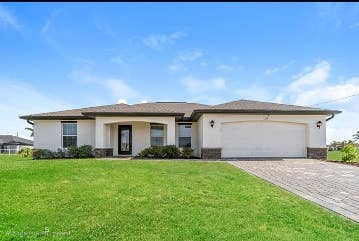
(30, 122)
(331, 117)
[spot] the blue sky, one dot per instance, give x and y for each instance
(59, 56)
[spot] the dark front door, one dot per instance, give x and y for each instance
(124, 140)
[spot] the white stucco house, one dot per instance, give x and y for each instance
(237, 129)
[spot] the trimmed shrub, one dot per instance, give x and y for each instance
(187, 152)
(171, 152)
(80, 152)
(85, 151)
(42, 154)
(350, 153)
(25, 152)
(71, 152)
(59, 154)
(152, 152)
(161, 152)
(144, 153)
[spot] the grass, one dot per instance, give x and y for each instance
(336, 156)
(153, 200)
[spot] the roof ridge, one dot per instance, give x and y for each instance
(267, 102)
(169, 102)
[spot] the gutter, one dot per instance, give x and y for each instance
(330, 117)
(30, 122)
(197, 113)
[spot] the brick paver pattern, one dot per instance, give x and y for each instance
(331, 185)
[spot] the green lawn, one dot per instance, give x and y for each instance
(336, 156)
(153, 200)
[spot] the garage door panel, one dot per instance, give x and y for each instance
(263, 139)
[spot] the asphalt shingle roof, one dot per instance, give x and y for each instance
(4, 139)
(179, 109)
(250, 105)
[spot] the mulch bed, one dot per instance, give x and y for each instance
(346, 163)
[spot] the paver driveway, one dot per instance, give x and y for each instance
(331, 185)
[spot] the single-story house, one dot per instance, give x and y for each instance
(13, 144)
(237, 129)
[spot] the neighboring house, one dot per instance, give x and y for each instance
(338, 145)
(237, 129)
(12, 144)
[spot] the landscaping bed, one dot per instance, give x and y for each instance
(336, 156)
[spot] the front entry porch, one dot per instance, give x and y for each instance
(125, 136)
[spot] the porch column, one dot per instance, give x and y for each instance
(100, 135)
(102, 141)
(171, 133)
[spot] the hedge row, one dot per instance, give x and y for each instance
(71, 152)
(166, 152)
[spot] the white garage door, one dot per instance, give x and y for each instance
(263, 139)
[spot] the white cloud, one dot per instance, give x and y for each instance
(316, 75)
(49, 23)
(190, 55)
(178, 35)
(195, 86)
(273, 70)
(343, 126)
(18, 98)
(117, 87)
(8, 19)
(158, 41)
(228, 68)
(120, 89)
(50, 34)
(325, 93)
(312, 86)
(122, 101)
(178, 64)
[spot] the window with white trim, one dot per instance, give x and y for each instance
(69, 134)
(184, 135)
(157, 135)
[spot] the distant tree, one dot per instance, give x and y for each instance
(31, 130)
(356, 136)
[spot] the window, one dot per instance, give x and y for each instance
(184, 136)
(157, 134)
(69, 134)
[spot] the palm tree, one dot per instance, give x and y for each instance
(356, 136)
(31, 130)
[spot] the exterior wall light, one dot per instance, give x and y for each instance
(319, 124)
(212, 123)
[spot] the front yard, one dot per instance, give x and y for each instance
(336, 156)
(153, 200)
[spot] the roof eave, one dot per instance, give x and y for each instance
(31, 117)
(197, 113)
